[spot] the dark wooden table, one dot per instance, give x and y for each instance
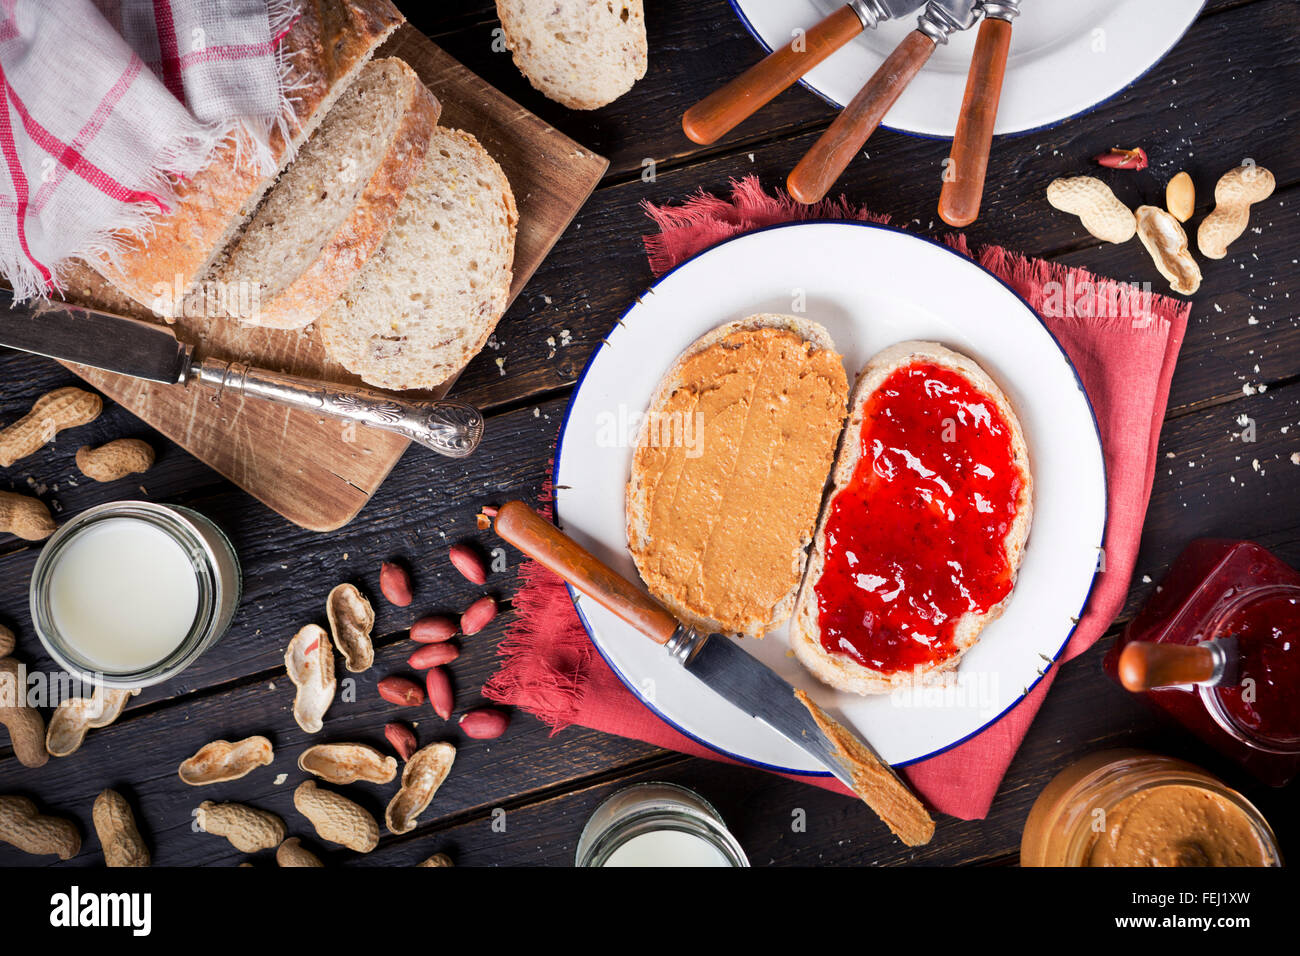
(1228, 90)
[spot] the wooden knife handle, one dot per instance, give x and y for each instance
(552, 548)
(725, 108)
(963, 185)
(812, 179)
(1143, 666)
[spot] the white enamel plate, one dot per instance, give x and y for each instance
(1066, 57)
(870, 286)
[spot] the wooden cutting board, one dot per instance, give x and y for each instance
(319, 472)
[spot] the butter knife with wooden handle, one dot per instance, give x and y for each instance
(963, 180)
(812, 178)
(725, 108)
(728, 670)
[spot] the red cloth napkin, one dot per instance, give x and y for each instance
(104, 105)
(1125, 361)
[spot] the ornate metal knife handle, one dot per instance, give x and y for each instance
(938, 23)
(870, 12)
(453, 429)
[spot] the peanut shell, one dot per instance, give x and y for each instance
(336, 818)
(1235, 192)
(25, 827)
(50, 414)
(77, 715)
(1101, 213)
(118, 834)
(1165, 239)
(347, 763)
(351, 617)
(222, 760)
(423, 775)
(309, 661)
(247, 828)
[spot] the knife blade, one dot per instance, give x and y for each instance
(726, 669)
(149, 351)
(114, 343)
(737, 676)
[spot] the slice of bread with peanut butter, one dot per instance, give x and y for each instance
(729, 470)
(923, 525)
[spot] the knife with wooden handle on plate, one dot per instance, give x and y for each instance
(726, 669)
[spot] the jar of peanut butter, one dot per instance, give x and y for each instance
(1134, 808)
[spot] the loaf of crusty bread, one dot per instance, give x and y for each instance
(331, 208)
(641, 535)
(839, 670)
(325, 47)
(583, 54)
(426, 301)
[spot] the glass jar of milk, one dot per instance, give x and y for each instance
(129, 593)
(657, 824)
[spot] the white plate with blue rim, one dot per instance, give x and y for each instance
(1066, 57)
(870, 286)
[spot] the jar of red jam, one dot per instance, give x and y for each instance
(1230, 594)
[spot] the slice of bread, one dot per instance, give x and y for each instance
(425, 303)
(331, 208)
(325, 47)
(721, 538)
(840, 670)
(583, 54)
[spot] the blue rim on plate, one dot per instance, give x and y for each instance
(1105, 492)
(735, 6)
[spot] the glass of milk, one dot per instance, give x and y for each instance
(657, 824)
(129, 593)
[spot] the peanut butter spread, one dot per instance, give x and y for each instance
(1177, 825)
(733, 465)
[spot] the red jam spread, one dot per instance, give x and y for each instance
(1265, 702)
(918, 537)
(1219, 588)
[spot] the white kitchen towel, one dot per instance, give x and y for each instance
(108, 104)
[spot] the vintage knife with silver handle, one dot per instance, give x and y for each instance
(725, 668)
(144, 350)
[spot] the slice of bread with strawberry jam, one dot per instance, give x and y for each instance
(922, 532)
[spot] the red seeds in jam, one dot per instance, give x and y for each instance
(918, 537)
(1264, 700)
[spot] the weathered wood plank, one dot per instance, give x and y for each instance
(1181, 93)
(1243, 304)
(696, 46)
(428, 503)
(140, 753)
(1262, 508)
(549, 785)
(1084, 713)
